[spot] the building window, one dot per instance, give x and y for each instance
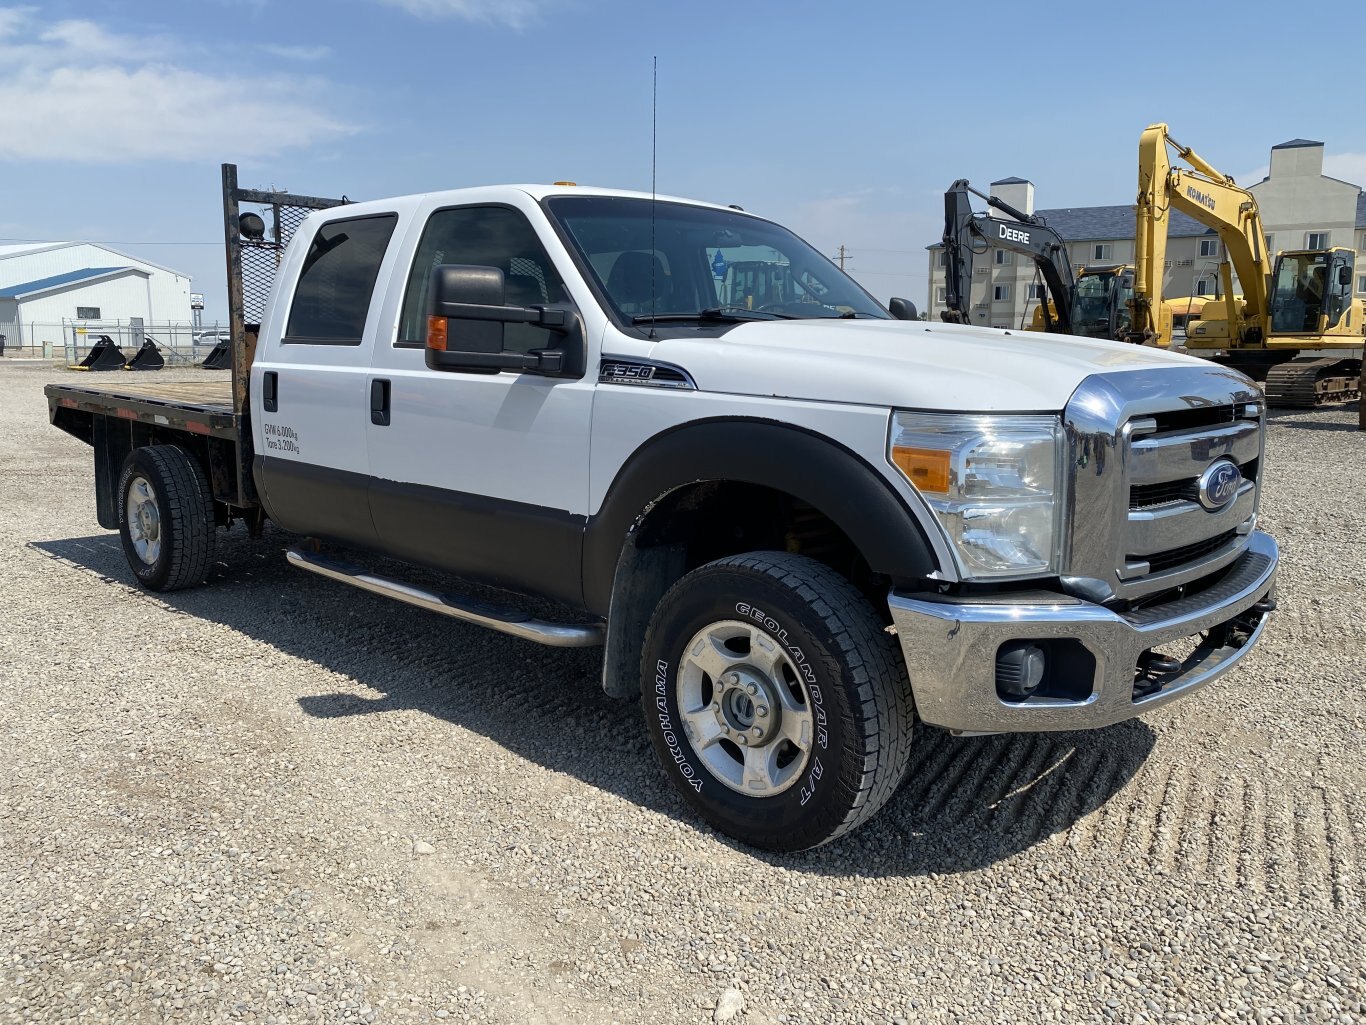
(1003, 258)
(944, 259)
(1361, 285)
(1363, 241)
(1270, 244)
(1035, 291)
(941, 294)
(1316, 240)
(87, 313)
(1204, 287)
(1001, 293)
(1101, 251)
(1209, 247)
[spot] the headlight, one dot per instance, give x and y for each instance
(992, 481)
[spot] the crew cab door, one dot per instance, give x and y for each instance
(482, 475)
(310, 377)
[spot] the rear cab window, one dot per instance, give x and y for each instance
(337, 280)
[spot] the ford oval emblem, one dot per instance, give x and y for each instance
(1218, 485)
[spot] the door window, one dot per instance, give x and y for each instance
(335, 285)
(484, 236)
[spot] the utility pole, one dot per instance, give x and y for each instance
(841, 257)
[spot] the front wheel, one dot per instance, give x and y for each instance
(778, 705)
(165, 517)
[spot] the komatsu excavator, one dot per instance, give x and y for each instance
(1302, 301)
(1094, 303)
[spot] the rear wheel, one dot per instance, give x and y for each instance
(778, 705)
(165, 517)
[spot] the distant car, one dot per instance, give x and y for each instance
(212, 338)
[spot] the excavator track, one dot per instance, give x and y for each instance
(1311, 381)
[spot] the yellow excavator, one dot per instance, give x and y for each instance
(1102, 303)
(1300, 302)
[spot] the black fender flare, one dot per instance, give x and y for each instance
(806, 465)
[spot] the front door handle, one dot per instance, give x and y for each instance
(379, 402)
(270, 391)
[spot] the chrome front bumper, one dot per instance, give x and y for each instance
(950, 647)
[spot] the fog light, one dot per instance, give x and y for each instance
(1019, 670)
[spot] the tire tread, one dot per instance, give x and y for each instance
(870, 658)
(189, 514)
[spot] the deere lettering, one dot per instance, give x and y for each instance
(1014, 234)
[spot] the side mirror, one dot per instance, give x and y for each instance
(467, 315)
(1344, 276)
(902, 309)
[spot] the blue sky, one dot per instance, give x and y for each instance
(844, 121)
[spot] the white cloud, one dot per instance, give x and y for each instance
(297, 53)
(513, 13)
(75, 91)
(1350, 167)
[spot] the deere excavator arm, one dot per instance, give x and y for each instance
(1214, 200)
(967, 233)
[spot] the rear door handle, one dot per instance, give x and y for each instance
(379, 402)
(270, 391)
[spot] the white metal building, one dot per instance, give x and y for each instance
(48, 289)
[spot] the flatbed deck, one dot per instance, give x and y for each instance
(201, 407)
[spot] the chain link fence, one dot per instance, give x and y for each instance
(68, 342)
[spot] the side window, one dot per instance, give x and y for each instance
(338, 278)
(483, 236)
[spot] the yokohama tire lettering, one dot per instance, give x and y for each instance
(666, 727)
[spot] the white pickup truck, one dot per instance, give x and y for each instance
(794, 522)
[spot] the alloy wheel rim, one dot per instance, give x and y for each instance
(144, 520)
(744, 708)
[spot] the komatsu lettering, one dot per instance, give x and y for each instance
(1203, 198)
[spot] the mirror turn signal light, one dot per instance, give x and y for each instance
(926, 468)
(436, 333)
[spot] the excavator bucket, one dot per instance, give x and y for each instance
(103, 355)
(147, 358)
(219, 359)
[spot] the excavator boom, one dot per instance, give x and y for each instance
(967, 233)
(1214, 200)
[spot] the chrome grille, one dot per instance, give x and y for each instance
(1138, 445)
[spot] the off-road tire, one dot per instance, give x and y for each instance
(856, 678)
(185, 508)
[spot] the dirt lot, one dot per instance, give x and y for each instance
(276, 799)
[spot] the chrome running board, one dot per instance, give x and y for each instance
(508, 621)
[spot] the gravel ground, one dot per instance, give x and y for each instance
(276, 799)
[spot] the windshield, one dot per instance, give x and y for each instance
(1297, 296)
(1091, 308)
(705, 264)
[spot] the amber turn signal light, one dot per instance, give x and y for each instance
(436, 333)
(926, 468)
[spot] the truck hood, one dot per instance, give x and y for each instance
(909, 364)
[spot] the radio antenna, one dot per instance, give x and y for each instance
(654, 151)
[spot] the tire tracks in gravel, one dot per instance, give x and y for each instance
(1194, 821)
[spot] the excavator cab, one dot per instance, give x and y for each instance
(1101, 308)
(1311, 292)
